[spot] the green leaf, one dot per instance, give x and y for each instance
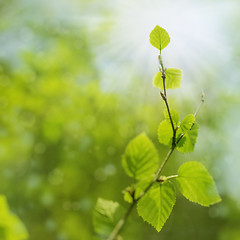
(157, 204)
(188, 141)
(127, 197)
(105, 216)
(165, 133)
(196, 184)
(173, 78)
(140, 158)
(158, 81)
(172, 81)
(159, 38)
(10, 225)
(187, 123)
(128, 194)
(175, 116)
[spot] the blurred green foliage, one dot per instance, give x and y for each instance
(11, 227)
(62, 136)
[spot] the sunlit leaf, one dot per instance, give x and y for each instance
(140, 158)
(159, 38)
(196, 184)
(157, 204)
(173, 79)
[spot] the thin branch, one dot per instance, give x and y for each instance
(157, 174)
(164, 97)
(195, 114)
(170, 177)
(122, 221)
(200, 104)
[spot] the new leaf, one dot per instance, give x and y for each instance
(140, 158)
(189, 128)
(159, 38)
(157, 204)
(173, 79)
(196, 184)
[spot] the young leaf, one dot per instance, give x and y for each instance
(188, 141)
(140, 158)
(173, 78)
(172, 81)
(165, 133)
(127, 197)
(105, 216)
(159, 38)
(128, 193)
(196, 184)
(157, 204)
(187, 123)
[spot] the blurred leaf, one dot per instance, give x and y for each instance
(105, 216)
(172, 81)
(196, 184)
(140, 158)
(159, 38)
(157, 204)
(127, 197)
(11, 228)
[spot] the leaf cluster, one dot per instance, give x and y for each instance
(155, 195)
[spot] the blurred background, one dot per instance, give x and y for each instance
(76, 86)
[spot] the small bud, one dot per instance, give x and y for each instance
(163, 96)
(203, 96)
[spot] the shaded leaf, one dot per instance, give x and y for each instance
(128, 193)
(105, 216)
